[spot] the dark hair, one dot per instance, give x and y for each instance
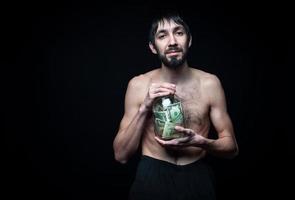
(169, 16)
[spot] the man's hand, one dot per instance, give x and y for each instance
(191, 138)
(157, 90)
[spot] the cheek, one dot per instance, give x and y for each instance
(184, 44)
(161, 46)
(160, 50)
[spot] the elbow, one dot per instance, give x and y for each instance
(233, 152)
(119, 158)
(117, 153)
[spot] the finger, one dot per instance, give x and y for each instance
(159, 140)
(168, 85)
(161, 89)
(172, 142)
(160, 94)
(179, 128)
(163, 85)
(179, 141)
(186, 131)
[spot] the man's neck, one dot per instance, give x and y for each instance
(175, 75)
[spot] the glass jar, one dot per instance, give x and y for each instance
(168, 113)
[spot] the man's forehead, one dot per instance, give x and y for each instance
(168, 24)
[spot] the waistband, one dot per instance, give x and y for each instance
(164, 163)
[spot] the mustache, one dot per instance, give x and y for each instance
(173, 49)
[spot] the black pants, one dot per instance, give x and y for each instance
(156, 179)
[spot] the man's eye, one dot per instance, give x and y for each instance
(179, 33)
(161, 36)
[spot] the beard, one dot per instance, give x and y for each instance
(173, 62)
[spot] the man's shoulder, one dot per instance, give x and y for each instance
(206, 76)
(145, 77)
(207, 79)
(142, 80)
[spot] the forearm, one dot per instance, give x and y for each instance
(127, 141)
(222, 147)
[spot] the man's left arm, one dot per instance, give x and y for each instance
(226, 144)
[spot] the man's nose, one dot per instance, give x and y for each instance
(172, 41)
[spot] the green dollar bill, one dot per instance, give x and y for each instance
(175, 113)
(159, 126)
(157, 107)
(161, 115)
(168, 130)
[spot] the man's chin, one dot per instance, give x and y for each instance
(172, 62)
(175, 63)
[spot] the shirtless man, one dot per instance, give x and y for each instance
(174, 169)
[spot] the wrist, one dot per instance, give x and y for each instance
(143, 109)
(206, 143)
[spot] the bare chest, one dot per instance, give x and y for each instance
(195, 107)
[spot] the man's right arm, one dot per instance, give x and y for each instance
(131, 127)
(138, 103)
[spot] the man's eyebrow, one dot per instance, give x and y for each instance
(176, 28)
(161, 31)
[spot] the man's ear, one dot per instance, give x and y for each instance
(152, 47)
(190, 41)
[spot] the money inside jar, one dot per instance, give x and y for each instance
(168, 113)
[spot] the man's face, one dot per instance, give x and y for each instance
(171, 44)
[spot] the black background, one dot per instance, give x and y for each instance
(66, 69)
